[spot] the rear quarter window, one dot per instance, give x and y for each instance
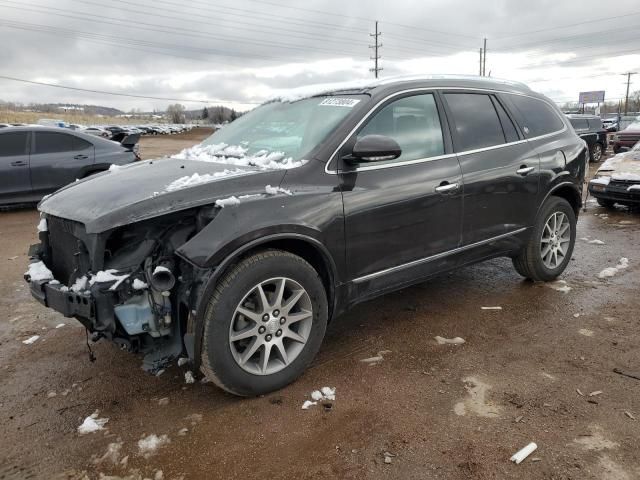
(536, 117)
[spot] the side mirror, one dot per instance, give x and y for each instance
(374, 148)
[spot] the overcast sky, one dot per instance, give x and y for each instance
(240, 52)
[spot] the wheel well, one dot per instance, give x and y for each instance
(308, 252)
(571, 195)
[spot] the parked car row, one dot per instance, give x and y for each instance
(109, 131)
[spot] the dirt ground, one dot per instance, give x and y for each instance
(525, 374)
(155, 146)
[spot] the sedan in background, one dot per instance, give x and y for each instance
(626, 138)
(36, 161)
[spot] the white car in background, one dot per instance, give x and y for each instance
(97, 131)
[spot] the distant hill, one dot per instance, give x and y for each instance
(62, 108)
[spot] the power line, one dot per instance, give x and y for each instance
(104, 92)
(376, 49)
(626, 98)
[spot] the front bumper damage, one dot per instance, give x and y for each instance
(615, 192)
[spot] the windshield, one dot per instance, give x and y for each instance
(284, 131)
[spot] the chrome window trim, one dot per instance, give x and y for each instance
(448, 155)
(420, 261)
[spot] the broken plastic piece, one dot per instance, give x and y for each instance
(524, 453)
(450, 341)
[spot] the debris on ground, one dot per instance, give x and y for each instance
(449, 341)
(182, 361)
(194, 418)
(60, 325)
(519, 456)
(325, 395)
(148, 445)
(307, 404)
(559, 285)
(183, 431)
(388, 456)
(579, 392)
(92, 424)
(112, 455)
(597, 392)
(586, 332)
(30, 340)
(625, 373)
(163, 401)
(477, 402)
(188, 377)
(51, 394)
(490, 308)
(629, 414)
(373, 360)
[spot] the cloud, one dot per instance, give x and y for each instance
(243, 51)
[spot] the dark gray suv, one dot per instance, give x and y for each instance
(237, 252)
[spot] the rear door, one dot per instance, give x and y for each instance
(55, 162)
(500, 172)
(15, 182)
(402, 215)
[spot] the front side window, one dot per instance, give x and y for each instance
(476, 121)
(538, 117)
(13, 144)
(53, 142)
(413, 122)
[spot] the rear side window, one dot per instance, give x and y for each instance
(538, 117)
(13, 144)
(53, 142)
(81, 144)
(476, 121)
(579, 124)
(413, 122)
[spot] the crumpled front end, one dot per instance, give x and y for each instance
(123, 284)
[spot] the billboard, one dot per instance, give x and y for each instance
(591, 97)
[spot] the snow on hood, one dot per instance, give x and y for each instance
(237, 155)
(624, 166)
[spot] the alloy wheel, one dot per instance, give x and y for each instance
(556, 237)
(270, 326)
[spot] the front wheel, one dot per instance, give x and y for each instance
(596, 152)
(550, 246)
(264, 323)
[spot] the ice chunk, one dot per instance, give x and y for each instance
(30, 340)
(612, 271)
(307, 404)
(449, 341)
(149, 444)
(328, 393)
(316, 395)
(92, 424)
(225, 202)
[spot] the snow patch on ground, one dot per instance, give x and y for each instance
(92, 424)
(559, 285)
(325, 394)
(449, 341)
(147, 446)
(612, 271)
(477, 402)
(38, 271)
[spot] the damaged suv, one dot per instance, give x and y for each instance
(238, 252)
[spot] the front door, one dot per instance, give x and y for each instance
(15, 182)
(402, 216)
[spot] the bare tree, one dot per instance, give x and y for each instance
(175, 113)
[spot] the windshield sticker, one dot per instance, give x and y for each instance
(339, 102)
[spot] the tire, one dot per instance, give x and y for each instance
(605, 203)
(530, 263)
(240, 289)
(616, 150)
(595, 152)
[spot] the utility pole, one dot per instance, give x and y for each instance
(626, 99)
(484, 58)
(376, 48)
(480, 62)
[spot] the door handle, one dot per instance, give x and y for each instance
(19, 163)
(524, 170)
(447, 187)
(80, 157)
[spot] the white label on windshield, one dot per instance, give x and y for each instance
(340, 102)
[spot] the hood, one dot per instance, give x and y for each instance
(148, 189)
(623, 164)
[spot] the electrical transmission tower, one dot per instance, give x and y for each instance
(376, 49)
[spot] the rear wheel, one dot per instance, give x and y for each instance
(550, 246)
(596, 152)
(264, 323)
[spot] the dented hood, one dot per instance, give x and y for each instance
(144, 190)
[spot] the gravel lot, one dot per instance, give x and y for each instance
(524, 374)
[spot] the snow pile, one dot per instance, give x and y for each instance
(225, 202)
(139, 284)
(80, 284)
(38, 271)
(188, 377)
(237, 155)
(601, 181)
(611, 271)
(30, 340)
(325, 394)
(92, 424)
(148, 445)
(42, 226)
(276, 190)
(197, 179)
